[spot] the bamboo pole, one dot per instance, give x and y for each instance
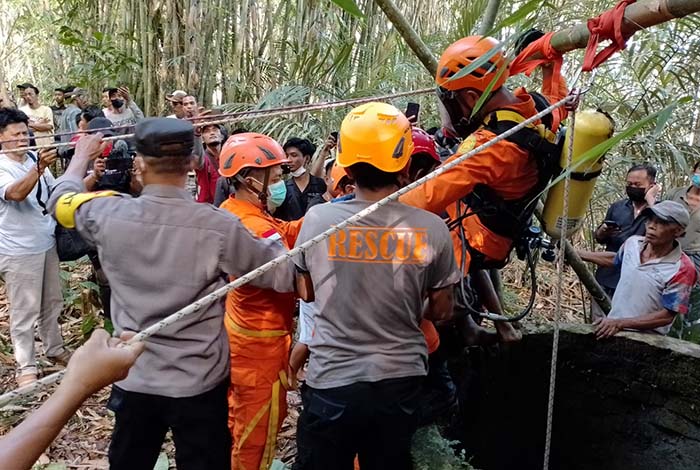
(638, 16)
(409, 35)
(489, 18)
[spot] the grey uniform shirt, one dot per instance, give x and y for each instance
(370, 281)
(161, 252)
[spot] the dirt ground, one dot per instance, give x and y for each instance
(84, 441)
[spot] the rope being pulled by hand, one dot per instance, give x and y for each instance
(18, 394)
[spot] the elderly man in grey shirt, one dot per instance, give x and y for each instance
(162, 251)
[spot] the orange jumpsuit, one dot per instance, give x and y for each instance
(505, 167)
(259, 325)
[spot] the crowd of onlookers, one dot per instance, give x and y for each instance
(652, 255)
(28, 261)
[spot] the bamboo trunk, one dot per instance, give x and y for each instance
(489, 18)
(409, 35)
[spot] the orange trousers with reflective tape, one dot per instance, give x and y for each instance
(256, 364)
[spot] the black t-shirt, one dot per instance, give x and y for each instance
(621, 212)
(296, 203)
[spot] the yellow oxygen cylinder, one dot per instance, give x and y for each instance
(592, 128)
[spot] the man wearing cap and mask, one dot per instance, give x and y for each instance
(60, 106)
(77, 101)
(161, 252)
(656, 276)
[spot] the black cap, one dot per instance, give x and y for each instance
(24, 86)
(101, 123)
(163, 137)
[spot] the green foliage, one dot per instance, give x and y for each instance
(431, 451)
(101, 59)
(350, 6)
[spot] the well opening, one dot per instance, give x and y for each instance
(631, 402)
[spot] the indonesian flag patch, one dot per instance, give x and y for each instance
(273, 235)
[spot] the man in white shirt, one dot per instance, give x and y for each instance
(28, 258)
(40, 117)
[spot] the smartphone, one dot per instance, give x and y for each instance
(612, 224)
(412, 111)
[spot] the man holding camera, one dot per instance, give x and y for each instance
(28, 258)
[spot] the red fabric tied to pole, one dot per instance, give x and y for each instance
(542, 46)
(524, 64)
(606, 26)
(554, 86)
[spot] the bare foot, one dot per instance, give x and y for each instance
(506, 333)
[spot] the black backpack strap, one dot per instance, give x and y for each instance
(39, 190)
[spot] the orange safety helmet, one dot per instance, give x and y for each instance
(377, 134)
(249, 150)
(463, 53)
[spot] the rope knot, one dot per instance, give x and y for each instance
(608, 25)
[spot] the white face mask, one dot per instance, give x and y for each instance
(298, 172)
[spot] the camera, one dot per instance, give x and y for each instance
(118, 168)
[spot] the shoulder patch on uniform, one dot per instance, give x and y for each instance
(70, 202)
(467, 145)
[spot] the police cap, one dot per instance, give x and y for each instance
(163, 137)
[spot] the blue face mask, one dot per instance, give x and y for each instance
(696, 180)
(277, 193)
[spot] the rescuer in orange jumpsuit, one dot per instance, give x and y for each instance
(507, 170)
(258, 321)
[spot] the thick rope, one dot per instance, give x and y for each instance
(237, 116)
(560, 288)
(14, 395)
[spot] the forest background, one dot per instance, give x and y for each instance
(252, 54)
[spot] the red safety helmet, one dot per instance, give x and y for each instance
(424, 143)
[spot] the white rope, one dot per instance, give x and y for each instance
(243, 116)
(14, 395)
(560, 288)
